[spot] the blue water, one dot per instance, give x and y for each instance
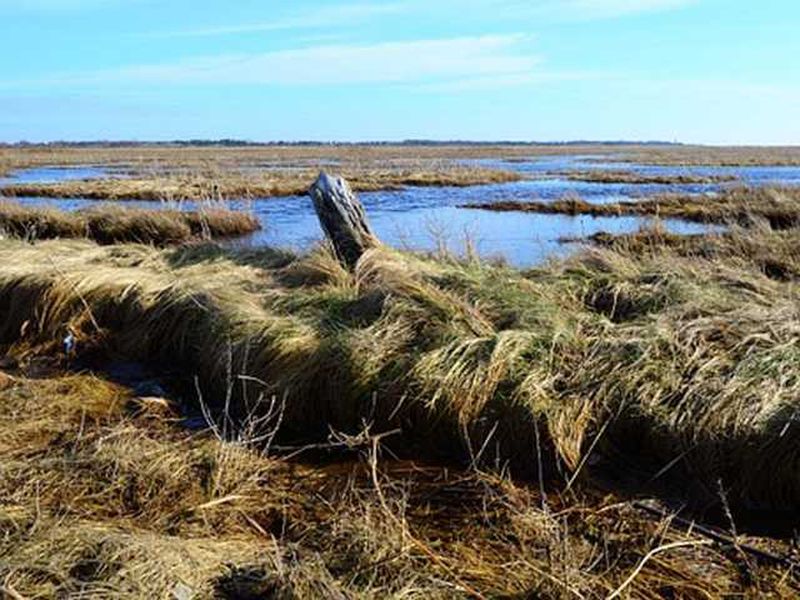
(544, 183)
(56, 174)
(428, 217)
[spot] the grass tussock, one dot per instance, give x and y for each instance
(104, 494)
(652, 359)
(637, 178)
(776, 253)
(114, 224)
(741, 206)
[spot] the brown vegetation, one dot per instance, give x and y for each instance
(143, 159)
(109, 224)
(631, 177)
(219, 185)
(743, 206)
(730, 156)
(653, 367)
(105, 494)
(454, 355)
(776, 253)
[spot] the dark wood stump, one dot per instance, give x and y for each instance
(342, 218)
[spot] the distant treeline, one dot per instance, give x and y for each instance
(239, 143)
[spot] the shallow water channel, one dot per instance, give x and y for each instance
(424, 218)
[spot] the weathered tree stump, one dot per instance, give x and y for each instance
(342, 218)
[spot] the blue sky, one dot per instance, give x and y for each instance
(710, 71)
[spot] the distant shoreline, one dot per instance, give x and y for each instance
(239, 143)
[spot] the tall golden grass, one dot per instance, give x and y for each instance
(663, 358)
(105, 494)
(109, 224)
(737, 206)
(632, 177)
(218, 184)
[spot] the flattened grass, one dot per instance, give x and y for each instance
(110, 224)
(105, 494)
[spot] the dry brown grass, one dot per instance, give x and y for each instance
(109, 224)
(655, 356)
(181, 172)
(105, 495)
(631, 177)
(732, 156)
(651, 366)
(779, 207)
(219, 185)
(144, 159)
(776, 253)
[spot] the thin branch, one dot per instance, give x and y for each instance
(666, 547)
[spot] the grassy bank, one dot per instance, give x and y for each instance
(742, 206)
(775, 253)
(105, 494)
(632, 177)
(234, 184)
(648, 360)
(652, 366)
(109, 224)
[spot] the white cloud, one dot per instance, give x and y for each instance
(549, 11)
(8, 6)
(495, 82)
(418, 61)
(341, 13)
(614, 8)
(324, 16)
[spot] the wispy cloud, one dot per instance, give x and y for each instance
(548, 11)
(317, 16)
(322, 16)
(420, 61)
(496, 82)
(12, 6)
(596, 9)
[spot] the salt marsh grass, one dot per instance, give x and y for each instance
(414, 427)
(110, 224)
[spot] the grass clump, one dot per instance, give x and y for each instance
(110, 224)
(637, 178)
(742, 206)
(661, 358)
(775, 253)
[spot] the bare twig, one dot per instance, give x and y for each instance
(666, 547)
